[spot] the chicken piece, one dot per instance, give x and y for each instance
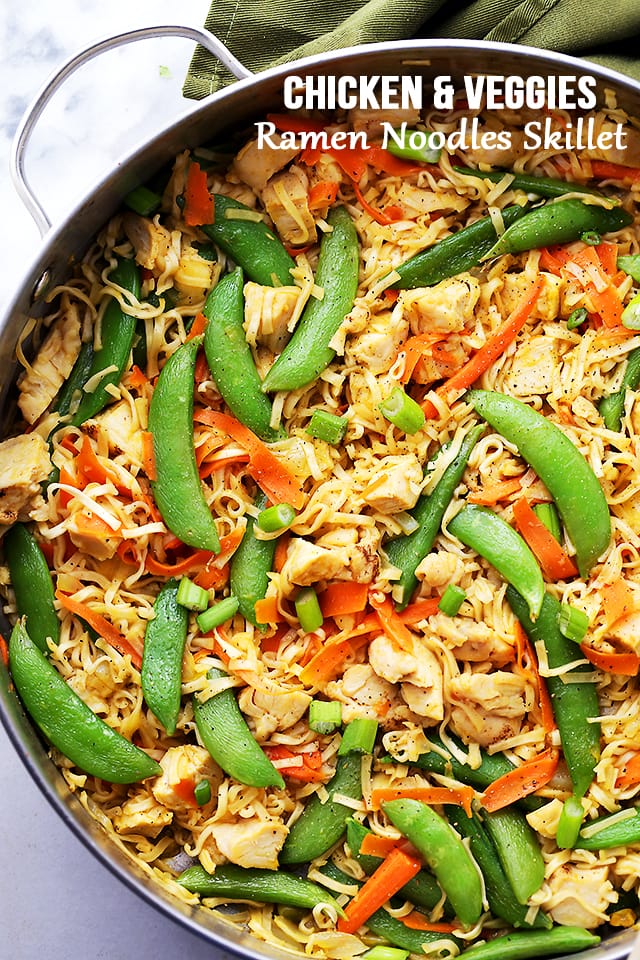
(501, 151)
(516, 287)
(271, 707)
(251, 843)
(364, 694)
(397, 485)
(440, 569)
(285, 198)
(441, 360)
(419, 675)
(307, 563)
(344, 554)
(142, 815)
(24, 464)
(444, 308)
(376, 348)
(121, 430)
(99, 544)
(194, 277)
(40, 384)
(255, 164)
(371, 120)
(190, 763)
(267, 313)
(360, 549)
(488, 707)
(149, 239)
(533, 367)
(580, 894)
(472, 640)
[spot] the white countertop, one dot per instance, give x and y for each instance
(54, 896)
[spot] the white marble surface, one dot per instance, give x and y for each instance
(54, 896)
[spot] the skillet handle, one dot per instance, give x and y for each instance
(33, 113)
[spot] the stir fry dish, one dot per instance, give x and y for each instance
(321, 537)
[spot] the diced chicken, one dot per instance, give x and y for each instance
(363, 694)
(360, 549)
(347, 553)
(440, 360)
(419, 675)
(472, 640)
(267, 313)
(99, 543)
(371, 120)
(151, 241)
(580, 895)
(532, 368)
(143, 816)
(488, 708)
(255, 164)
(440, 569)
(190, 763)
(628, 156)
(377, 346)
(285, 198)
(271, 707)
(194, 277)
(121, 430)
(444, 308)
(53, 364)
(251, 843)
(307, 563)
(24, 464)
(500, 151)
(397, 485)
(516, 287)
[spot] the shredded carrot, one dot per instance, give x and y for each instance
(342, 597)
(603, 170)
(199, 205)
(391, 875)
(322, 194)
(391, 295)
(459, 796)
(394, 212)
(89, 524)
(90, 467)
(198, 326)
(495, 492)
(551, 556)
(390, 621)
(417, 921)
(69, 480)
(629, 776)
(625, 664)
(309, 771)
(586, 267)
(196, 559)
(380, 216)
(328, 661)
(420, 610)
(280, 555)
(148, 455)
(98, 623)
(528, 661)
(414, 350)
(4, 651)
(375, 846)
(267, 610)
(525, 779)
(185, 789)
(137, 378)
(618, 601)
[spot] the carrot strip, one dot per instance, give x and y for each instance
(328, 661)
(391, 875)
(322, 194)
(584, 266)
(343, 597)
(378, 215)
(90, 467)
(618, 601)
(281, 551)
(527, 653)
(375, 846)
(625, 664)
(267, 611)
(309, 771)
(519, 783)
(106, 630)
(552, 558)
(629, 776)
(420, 610)
(137, 378)
(417, 921)
(603, 170)
(460, 796)
(391, 623)
(4, 651)
(414, 350)
(495, 492)
(185, 790)
(91, 525)
(199, 204)
(148, 455)
(195, 559)
(198, 326)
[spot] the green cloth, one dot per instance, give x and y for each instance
(263, 33)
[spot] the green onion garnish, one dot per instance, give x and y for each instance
(308, 610)
(591, 238)
(548, 513)
(385, 953)
(325, 716)
(571, 817)
(218, 614)
(277, 517)
(191, 596)
(143, 201)
(576, 318)
(202, 792)
(327, 426)
(411, 144)
(631, 266)
(573, 623)
(451, 600)
(359, 736)
(403, 411)
(631, 314)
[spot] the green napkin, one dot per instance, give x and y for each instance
(263, 33)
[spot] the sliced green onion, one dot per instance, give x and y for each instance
(631, 314)
(325, 716)
(386, 953)
(569, 824)
(403, 411)
(308, 610)
(576, 318)
(327, 426)
(591, 238)
(573, 623)
(411, 144)
(631, 266)
(191, 596)
(143, 201)
(548, 513)
(218, 614)
(277, 517)
(202, 792)
(451, 600)
(359, 736)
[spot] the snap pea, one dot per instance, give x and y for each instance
(260, 885)
(308, 352)
(322, 824)
(249, 243)
(230, 359)
(177, 488)
(561, 467)
(612, 407)
(251, 565)
(611, 832)
(164, 640)
(500, 896)
(444, 852)
(32, 585)
(226, 735)
(455, 254)
(408, 551)
(574, 704)
(630, 265)
(490, 536)
(117, 332)
(560, 222)
(534, 943)
(541, 186)
(67, 722)
(518, 850)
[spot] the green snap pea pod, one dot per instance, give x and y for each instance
(423, 889)
(117, 332)
(574, 704)
(322, 824)
(559, 222)
(534, 943)
(251, 565)
(490, 536)
(249, 243)
(308, 352)
(226, 735)
(455, 254)
(444, 852)
(231, 361)
(612, 407)
(518, 850)
(500, 895)
(177, 488)
(255, 884)
(164, 641)
(561, 467)
(76, 379)
(408, 551)
(67, 722)
(32, 585)
(541, 186)
(611, 831)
